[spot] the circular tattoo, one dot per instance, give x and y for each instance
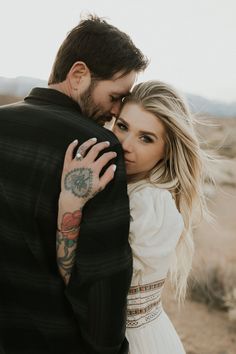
(79, 182)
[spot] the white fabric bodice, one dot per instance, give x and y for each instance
(155, 229)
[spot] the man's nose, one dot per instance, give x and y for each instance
(115, 109)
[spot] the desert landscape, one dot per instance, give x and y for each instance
(206, 322)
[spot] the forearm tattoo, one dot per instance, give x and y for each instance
(79, 181)
(66, 243)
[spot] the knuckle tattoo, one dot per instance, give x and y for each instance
(79, 181)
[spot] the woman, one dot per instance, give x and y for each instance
(164, 165)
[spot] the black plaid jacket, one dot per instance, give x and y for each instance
(37, 313)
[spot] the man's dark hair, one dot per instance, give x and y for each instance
(102, 47)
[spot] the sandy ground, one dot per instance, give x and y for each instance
(202, 331)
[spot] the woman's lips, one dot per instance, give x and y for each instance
(128, 161)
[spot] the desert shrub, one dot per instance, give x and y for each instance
(217, 289)
(209, 290)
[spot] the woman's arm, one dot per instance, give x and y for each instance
(66, 241)
(80, 182)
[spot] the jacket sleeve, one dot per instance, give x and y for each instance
(102, 272)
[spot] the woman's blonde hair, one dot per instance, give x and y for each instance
(182, 169)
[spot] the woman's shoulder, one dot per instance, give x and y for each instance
(155, 219)
(150, 199)
(148, 191)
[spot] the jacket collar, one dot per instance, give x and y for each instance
(48, 95)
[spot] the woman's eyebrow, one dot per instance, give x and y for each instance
(141, 131)
(123, 121)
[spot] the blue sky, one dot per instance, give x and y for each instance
(191, 43)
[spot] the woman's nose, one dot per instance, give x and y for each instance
(127, 144)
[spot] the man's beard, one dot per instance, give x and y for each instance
(91, 109)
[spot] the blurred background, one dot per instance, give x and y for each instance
(191, 44)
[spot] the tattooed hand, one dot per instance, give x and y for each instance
(80, 178)
(80, 182)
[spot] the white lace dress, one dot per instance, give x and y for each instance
(155, 228)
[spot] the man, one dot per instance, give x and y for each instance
(95, 68)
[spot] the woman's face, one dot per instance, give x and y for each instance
(142, 136)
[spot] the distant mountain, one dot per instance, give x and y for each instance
(201, 105)
(21, 86)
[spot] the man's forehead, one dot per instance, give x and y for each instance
(120, 88)
(120, 92)
(119, 75)
(124, 77)
(123, 85)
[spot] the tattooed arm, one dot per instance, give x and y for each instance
(66, 241)
(80, 182)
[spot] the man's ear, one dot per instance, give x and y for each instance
(79, 76)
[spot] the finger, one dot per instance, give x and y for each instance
(67, 159)
(85, 146)
(69, 153)
(103, 160)
(95, 150)
(107, 176)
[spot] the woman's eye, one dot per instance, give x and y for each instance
(146, 139)
(121, 126)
